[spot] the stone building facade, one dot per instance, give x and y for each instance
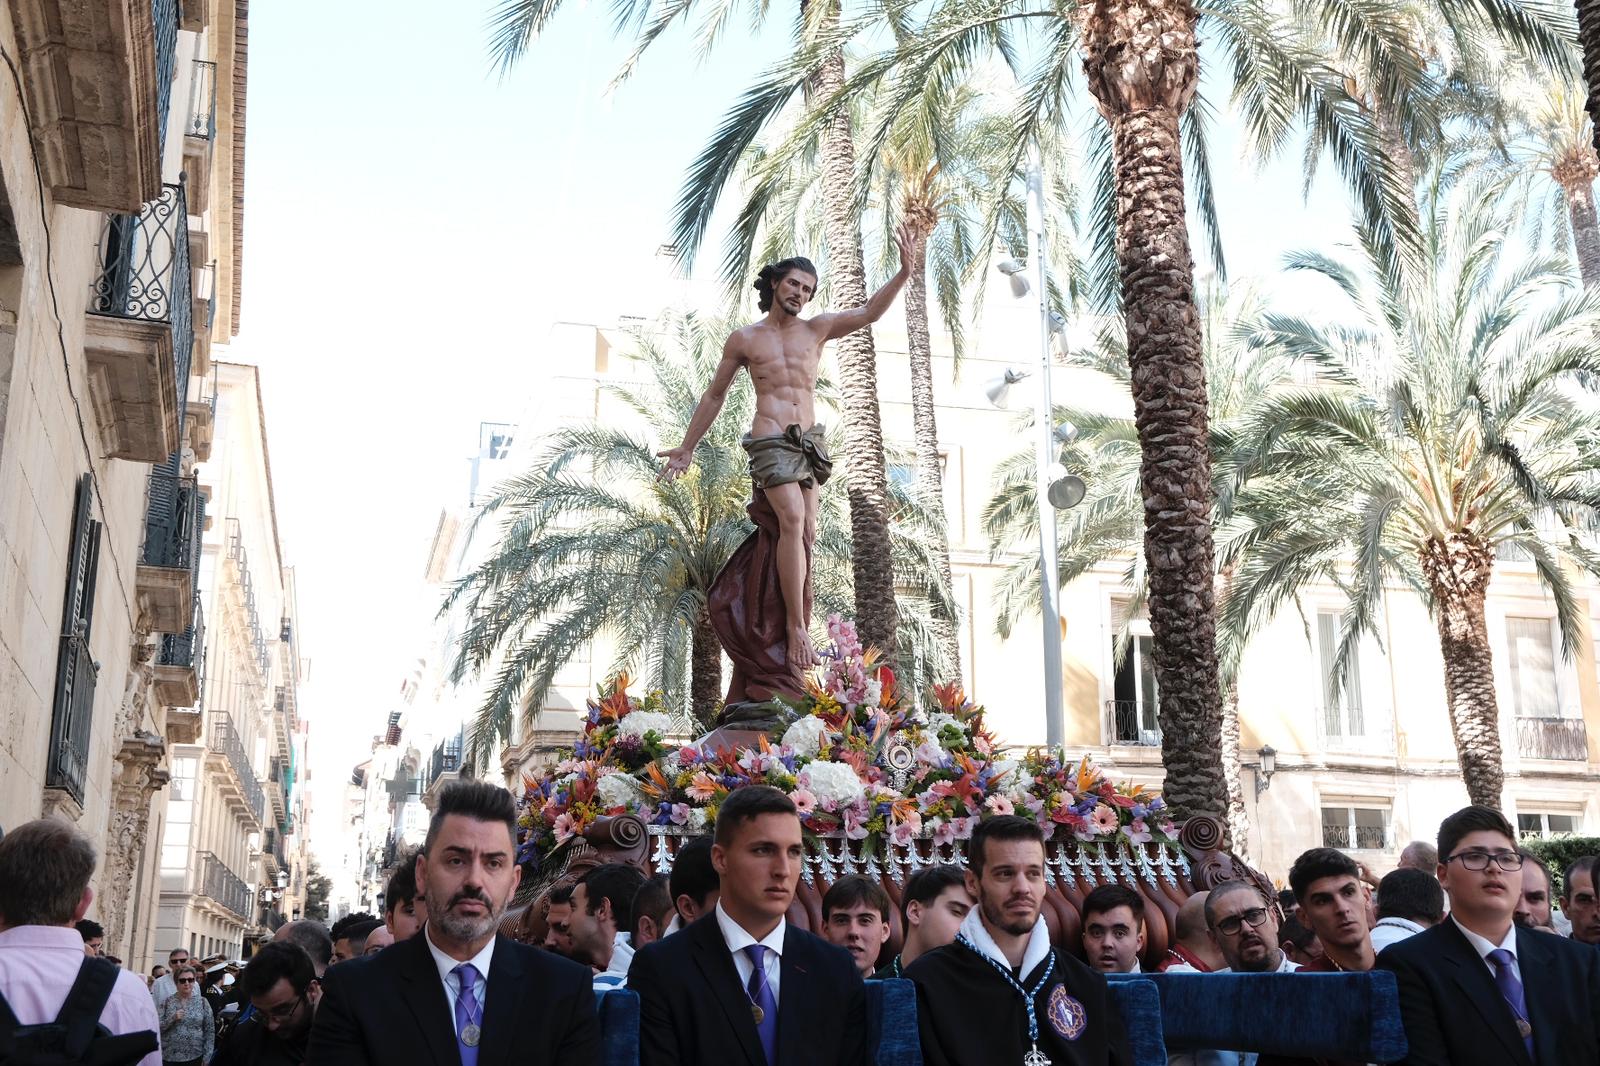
(121, 152)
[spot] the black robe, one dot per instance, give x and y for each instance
(970, 1015)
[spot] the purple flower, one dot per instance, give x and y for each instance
(680, 813)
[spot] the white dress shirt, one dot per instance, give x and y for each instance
(452, 982)
(734, 935)
(1482, 945)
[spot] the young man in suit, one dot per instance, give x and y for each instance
(1001, 995)
(1478, 990)
(457, 993)
(741, 986)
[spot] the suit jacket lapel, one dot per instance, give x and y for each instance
(1471, 974)
(795, 999)
(500, 1006)
(716, 963)
(424, 993)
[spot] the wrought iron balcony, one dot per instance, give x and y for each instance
(68, 764)
(202, 101)
(446, 758)
(1134, 722)
(180, 663)
(223, 886)
(247, 590)
(224, 740)
(169, 566)
(141, 328)
(1552, 738)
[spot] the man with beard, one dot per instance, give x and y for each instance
(282, 988)
(1001, 995)
(1533, 905)
(1580, 901)
(457, 992)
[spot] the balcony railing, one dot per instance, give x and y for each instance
(1552, 738)
(446, 758)
(173, 523)
(247, 590)
(223, 885)
(68, 764)
(144, 275)
(1134, 722)
(1364, 837)
(166, 20)
(186, 649)
(203, 101)
(224, 740)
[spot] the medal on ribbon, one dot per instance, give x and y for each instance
(1066, 1014)
(1034, 1057)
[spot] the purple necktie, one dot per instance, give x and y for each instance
(1505, 979)
(761, 998)
(467, 1013)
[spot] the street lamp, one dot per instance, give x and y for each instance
(1053, 486)
(1266, 768)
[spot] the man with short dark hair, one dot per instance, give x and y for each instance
(1580, 900)
(94, 938)
(1333, 904)
(1300, 945)
(342, 947)
(1245, 930)
(558, 916)
(693, 883)
(1409, 901)
(1533, 904)
(1113, 929)
(742, 984)
(400, 914)
(457, 992)
(1001, 992)
(602, 914)
(1194, 950)
(1478, 990)
(933, 904)
(45, 867)
(282, 989)
(855, 916)
(651, 906)
(352, 943)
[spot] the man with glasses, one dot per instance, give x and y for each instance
(1245, 930)
(1479, 989)
(283, 991)
(165, 987)
(1580, 901)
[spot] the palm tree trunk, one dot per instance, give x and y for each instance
(1578, 189)
(866, 481)
(705, 670)
(1458, 573)
(1238, 819)
(1141, 64)
(930, 474)
(1589, 37)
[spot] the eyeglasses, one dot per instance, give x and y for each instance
(1230, 926)
(285, 1011)
(186, 980)
(1478, 861)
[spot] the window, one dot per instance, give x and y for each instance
(1342, 713)
(1532, 655)
(1136, 703)
(1543, 824)
(1353, 827)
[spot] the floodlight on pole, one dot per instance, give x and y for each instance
(998, 389)
(1013, 270)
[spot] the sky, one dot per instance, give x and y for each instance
(414, 225)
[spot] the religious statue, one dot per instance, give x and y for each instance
(760, 603)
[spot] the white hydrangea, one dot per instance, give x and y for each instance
(874, 692)
(697, 819)
(805, 736)
(618, 790)
(938, 720)
(1009, 779)
(671, 763)
(832, 783)
(639, 723)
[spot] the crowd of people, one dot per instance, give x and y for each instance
(1488, 971)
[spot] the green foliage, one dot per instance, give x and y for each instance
(1559, 852)
(589, 542)
(318, 886)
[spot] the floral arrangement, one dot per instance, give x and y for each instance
(857, 760)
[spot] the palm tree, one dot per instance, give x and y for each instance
(1446, 431)
(1108, 525)
(590, 543)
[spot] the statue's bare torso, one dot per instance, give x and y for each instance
(782, 363)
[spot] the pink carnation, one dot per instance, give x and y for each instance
(804, 801)
(999, 804)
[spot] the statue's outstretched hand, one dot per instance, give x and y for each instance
(905, 238)
(677, 462)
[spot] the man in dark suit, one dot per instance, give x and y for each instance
(741, 985)
(1478, 990)
(457, 994)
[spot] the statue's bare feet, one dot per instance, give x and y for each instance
(802, 655)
